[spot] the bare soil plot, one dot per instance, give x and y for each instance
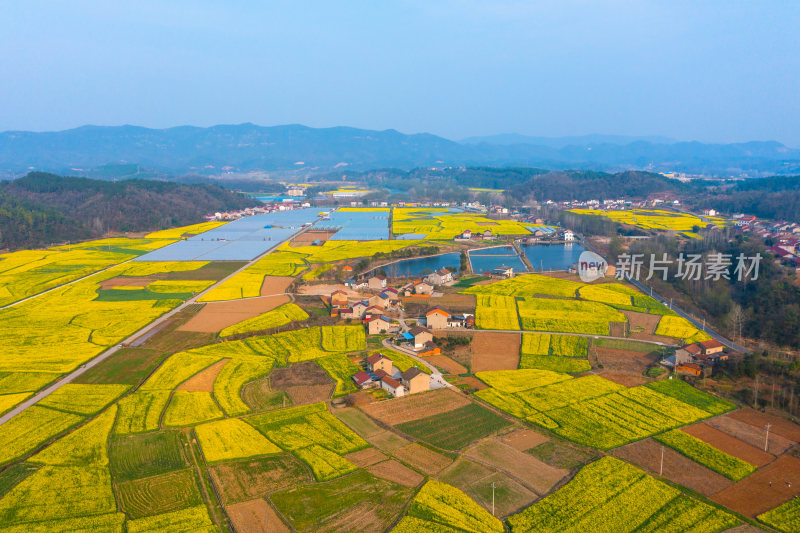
(326, 289)
(124, 281)
(423, 459)
(397, 472)
(473, 382)
(677, 468)
(446, 365)
(616, 329)
(752, 435)
(730, 445)
(495, 351)
(308, 237)
(387, 441)
(216, 316)
(245, 480)
(273, 285)
(764, 489)
(628, 361)
(255, 516)
(523, 439)
(459, 303)
(780, 426)
(366, 457)
(416, 406)
(642, 322)
(525, 468)
(476, 481)
(622, 378)
(304, 382)
(203, 381)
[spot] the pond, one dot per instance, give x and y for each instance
(485, 259)
(552, 256)
(417, 265)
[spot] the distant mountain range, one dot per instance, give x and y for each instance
(296, 148)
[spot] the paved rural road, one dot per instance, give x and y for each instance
(697, 323)
(36, 398)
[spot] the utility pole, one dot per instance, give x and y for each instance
(661, 468)
(766, 438)
(492, 498)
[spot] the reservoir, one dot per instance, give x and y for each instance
(417, 265)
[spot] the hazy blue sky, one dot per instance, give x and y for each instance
(710, 70)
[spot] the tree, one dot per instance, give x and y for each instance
(736, 319)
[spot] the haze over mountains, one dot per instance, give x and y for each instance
(248, 147)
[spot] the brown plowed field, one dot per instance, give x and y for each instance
(446, 365)
(780, 426)
(530, 471)
(397, 472)
(366, 457)
(307, 238)
(754, 494)
(216, 316)
(524, 439)
(628, 380)
(408, 408)
(730, 445)
(422, 458)
(304, 382)
(627, 361)
(677, 468)
(123, 281)
(255, 516)
(459, 303)
(645, 321)
(273, 285)
(495, 351)
(203, 381)
(752, 435)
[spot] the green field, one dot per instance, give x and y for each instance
(455, 429)
(146, 454)
(252, 478)
(318, 507)
(158, 494)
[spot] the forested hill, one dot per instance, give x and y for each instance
(582, 186)
(41, 209)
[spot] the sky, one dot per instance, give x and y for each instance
(709, 70)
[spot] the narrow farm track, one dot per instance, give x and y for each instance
(67, 284)
(36, 398)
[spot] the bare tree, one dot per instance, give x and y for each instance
(736, 318)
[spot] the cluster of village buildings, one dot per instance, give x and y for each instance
(250, 211)
(697, 359)
(380, 372)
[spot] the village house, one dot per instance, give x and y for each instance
(374, 310)
(392, 386)
(466, 234)
(389, 298)
(436, 318)
(423, 287)
(420, 336)
(377, 282)
(488, 235)
(460, 321)
(569, 236)
(680, 357)
(377, 325)
(692, 369)
(712, 346)
(378, 361)
(355, 311)
(357, 284)
(440, 277)
(363, 380)
(415, 380)
(338, 298)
